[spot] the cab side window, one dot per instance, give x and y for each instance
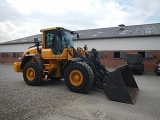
(50, 38)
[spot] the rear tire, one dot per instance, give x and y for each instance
(79, 77)
(158, 74)
(140, 72)
(32, 74)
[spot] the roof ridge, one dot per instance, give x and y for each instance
(118, 26)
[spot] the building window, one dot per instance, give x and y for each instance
(16, 55)
(122, 54)
(142, 53)
(101, 54)
(4, 55)
(148, 31)
(116, 54)
(146, 54)
(119, 54)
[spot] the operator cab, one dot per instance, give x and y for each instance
(57, 39)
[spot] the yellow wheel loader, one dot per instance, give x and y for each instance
(56, 58)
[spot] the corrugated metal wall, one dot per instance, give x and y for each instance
(137, 43)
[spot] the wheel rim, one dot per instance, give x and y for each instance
(76, 78)
(30, 73)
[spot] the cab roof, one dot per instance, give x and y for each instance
(54, 28)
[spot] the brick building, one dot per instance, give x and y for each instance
(112, 43)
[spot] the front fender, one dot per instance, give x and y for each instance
(68, 62)
(37, 58)
(25, 59)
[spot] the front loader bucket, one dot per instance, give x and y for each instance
(121, 86)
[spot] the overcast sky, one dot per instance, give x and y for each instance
(21, 18)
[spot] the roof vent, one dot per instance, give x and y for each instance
(121, 27)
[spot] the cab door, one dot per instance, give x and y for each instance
(53, 45)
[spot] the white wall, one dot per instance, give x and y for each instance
(15, 47)
(138, 43)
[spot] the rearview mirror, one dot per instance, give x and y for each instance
(77, 36)
(36, 40)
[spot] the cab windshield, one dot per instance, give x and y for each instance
(67, 38)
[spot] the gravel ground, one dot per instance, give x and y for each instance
(19, 101)
(53, 101)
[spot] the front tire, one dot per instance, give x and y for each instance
(141, 70)
(32, 74)
(79, 77)
(158, 74)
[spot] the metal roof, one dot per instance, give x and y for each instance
(29, 39)
(118, 32)
(103, 33)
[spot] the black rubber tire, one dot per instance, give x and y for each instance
(158, 74)
(38, 74)
(140, 72)
(87, 73)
